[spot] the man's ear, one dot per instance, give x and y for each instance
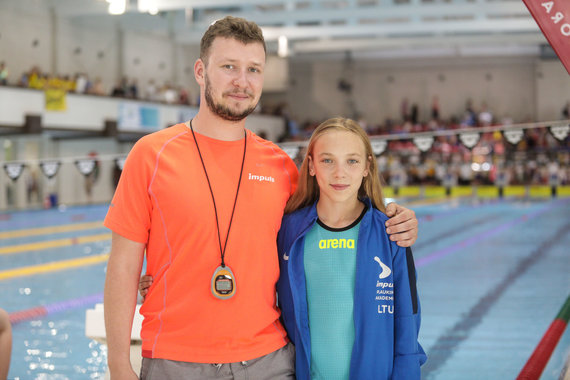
(199, 71)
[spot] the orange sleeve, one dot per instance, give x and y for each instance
(293, 173)
(130, 211)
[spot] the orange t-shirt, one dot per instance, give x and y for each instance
(163, 200)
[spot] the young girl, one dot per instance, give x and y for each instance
(347, 293)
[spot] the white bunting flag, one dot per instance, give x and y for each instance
(120, 162)
(560, 132)
(50, 168)
(513, 136)
(85, 166)
(291, 151)
(14, 170)
(469, 139)
(379, 146)
(424, 143)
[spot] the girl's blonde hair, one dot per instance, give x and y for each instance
(308, 190)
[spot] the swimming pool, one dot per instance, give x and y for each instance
(55, 280)
(491, 277)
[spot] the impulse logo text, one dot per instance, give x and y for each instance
(261, 178)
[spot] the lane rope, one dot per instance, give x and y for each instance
(57, 307)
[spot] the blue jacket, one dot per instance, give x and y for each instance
(386, 305)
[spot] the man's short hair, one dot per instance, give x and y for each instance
(231, 27)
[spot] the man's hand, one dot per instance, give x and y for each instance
(402, 225)
(144, 283)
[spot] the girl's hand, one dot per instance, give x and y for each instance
(402, 225)
(144, 283)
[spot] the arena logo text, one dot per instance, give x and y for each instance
(336, 243)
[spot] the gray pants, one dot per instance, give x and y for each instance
(277, 365)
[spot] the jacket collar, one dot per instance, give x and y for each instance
(306, 217)
(312, 212)
(309, 216)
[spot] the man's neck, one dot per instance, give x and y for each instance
(213, 126)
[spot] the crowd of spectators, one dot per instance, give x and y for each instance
(81, 83)
(538, 159)
(408, 123)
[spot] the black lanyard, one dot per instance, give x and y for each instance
(222, 251)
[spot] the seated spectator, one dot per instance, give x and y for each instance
(121, 89)
(118, 90)
(168, 94)
(81, 83)
(97, 88)
(435, 107)
(67, 83)
(36, 79)
(58, 82)
(133, 90)
(3, 74)
(151, 91)
(485, 116)
(183, 97)
(24, 79)
(469, 117)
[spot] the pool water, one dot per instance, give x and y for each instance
(491, 277)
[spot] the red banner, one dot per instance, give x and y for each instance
(553, 18)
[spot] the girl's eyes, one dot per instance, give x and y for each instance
(351, 161)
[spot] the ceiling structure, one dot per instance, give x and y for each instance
(374, 27)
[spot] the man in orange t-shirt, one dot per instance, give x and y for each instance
(205, 200)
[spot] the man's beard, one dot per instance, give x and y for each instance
(223, 111)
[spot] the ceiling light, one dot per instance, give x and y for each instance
(142, 5)
(282, 47)
(149, 6)
(117, 7)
